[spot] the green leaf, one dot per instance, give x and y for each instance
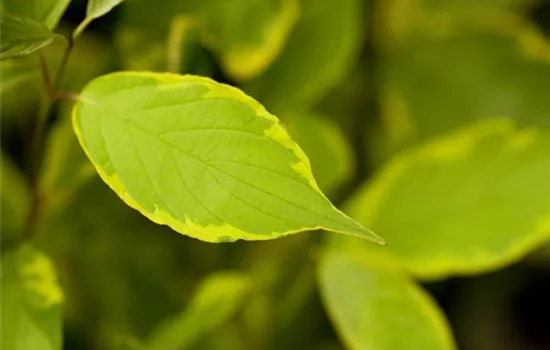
(468, 202)
(31, 302)
(215, 301)
(374, 306)
(325, 145)
(95, 9)
(98, 8)
(47, 12)
(320, 50)
(202, 158)
(21, 35)
(15, 199)
(247, 34)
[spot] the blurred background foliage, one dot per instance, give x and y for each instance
(427, 120)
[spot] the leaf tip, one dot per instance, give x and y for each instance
(367, 234)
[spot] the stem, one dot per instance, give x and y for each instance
(61, 70)
(37, 139)
(81, 27)
(46, 80)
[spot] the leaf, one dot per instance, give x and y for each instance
(94, 10)
(15, 199)
(374, 306)
(216, 300)
(202, 158)
(98, 8)
(31, 301)
(247, 34)
(317, 56)
(325, 145)
(469, 202)
(47, 12)
(21, 36)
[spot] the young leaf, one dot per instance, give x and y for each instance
(31, 301)
(469, 202)
(15, 199)
(216, 300)
(202, 158)
(21, 35)
(95, 9)
(47, 12)
(320, 50)
(247, 35)
(98, 8)
(374, 306)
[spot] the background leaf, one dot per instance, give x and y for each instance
(21, 35)
(452, 206)
(31, 301)
(47, 12)
(303, 73)
(247, 34)
(98, 8)
(216, 299)
(370, 302)
(202, 158)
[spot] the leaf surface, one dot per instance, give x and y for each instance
(202, 158)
